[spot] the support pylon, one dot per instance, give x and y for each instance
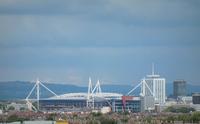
(37, 88)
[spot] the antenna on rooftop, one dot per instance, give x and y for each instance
(152, 68)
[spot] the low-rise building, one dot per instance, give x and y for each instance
(17, 106)
(127, 104)
(147, 103)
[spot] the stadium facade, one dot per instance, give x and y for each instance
(78, 102)
(80, 105)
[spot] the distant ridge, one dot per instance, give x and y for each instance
(19, 89)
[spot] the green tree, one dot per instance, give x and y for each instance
(22, 109)
(195, 117)
(3, 107)
(94, 114)
(179, 109)
(170, 119)
(12, 118)
(11, 108)
(92, 122)
(106, 120)
(51, 117)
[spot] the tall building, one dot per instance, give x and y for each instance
(196, 98)
(154, 85)
(179, 88)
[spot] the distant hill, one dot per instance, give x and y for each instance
(20, 89)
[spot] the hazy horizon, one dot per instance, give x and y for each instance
(111, 40)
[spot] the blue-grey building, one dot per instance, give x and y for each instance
(179, 88)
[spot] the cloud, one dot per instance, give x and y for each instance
(69, 31)
(112, 39)
(47, 7)
(153, 9)
(98, 23)
(128, 12)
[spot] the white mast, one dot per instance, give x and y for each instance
(38, 92)
(89, 86)
(37, 88)
(90, 99)
(143, 85)
(91, 91)
(98, 87)
(152, 68)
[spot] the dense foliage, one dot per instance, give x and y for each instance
(179, 109)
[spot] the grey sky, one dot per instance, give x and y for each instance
(113, 40)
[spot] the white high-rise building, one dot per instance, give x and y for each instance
(154, 86)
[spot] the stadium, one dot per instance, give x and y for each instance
(93, 100)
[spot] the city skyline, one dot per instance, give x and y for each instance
(113, 41)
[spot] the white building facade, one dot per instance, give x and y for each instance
(154, 86)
